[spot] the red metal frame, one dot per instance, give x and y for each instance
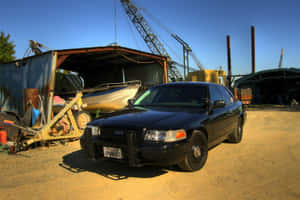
(62, 55)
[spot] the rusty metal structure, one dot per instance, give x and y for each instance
(187, 50)
(96, 65)
(253, 48)
(229, 77)
(273, 86)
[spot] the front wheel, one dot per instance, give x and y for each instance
(196, 154)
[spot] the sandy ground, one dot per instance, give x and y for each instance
(266, 165)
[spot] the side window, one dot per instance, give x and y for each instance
(229, 92)
(227, 96)
(215, 93)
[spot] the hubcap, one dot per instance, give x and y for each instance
(196, 151)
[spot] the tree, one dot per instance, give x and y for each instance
(7, 49)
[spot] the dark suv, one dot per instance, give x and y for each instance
(169, 124)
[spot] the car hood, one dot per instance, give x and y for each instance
(152, 118)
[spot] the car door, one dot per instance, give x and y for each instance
(231, 108)
(216, 127)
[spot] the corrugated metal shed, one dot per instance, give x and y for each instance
(96, 65)
(111, 58)
(34, 72)
(274, 86)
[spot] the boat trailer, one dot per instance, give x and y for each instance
(68, 123)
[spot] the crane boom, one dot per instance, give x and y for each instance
(187, 48)
(182, 42)
(149, 37)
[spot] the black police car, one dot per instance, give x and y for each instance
(174, 123)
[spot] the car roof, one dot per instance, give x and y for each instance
(198, 83)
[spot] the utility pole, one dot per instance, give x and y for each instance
(253, 48)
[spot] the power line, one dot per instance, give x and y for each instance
(157, 21)
(115, 20)
(170, 49)
(132, 32)
(133, 35)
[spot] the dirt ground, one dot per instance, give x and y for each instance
(266, 165)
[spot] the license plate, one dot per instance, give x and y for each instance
(112, 152)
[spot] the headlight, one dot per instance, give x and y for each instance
(165, 136)
(94, 130)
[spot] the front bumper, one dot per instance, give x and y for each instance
(162, 154)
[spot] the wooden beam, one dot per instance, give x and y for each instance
(61, 59)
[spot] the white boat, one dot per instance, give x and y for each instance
(110, 97)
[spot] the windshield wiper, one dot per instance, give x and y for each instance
(146, 105)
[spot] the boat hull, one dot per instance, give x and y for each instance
(110, 100)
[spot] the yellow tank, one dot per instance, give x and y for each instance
(208, 75)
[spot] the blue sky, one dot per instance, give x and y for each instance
(62, 24)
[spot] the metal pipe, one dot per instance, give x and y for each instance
(184, 65)
(51, 87)
(123, 75)
(165, 71)
(187, 62)
(229, 61)
(253, 48)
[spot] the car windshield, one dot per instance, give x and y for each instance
(174, 95)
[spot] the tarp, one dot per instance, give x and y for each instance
(33, 72)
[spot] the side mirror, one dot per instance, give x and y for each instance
(219, 104)
(130, 102)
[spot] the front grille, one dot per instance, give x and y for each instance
(120, 136)
(128, 140)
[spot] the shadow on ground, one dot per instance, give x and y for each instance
(77, 162)
(271, 107)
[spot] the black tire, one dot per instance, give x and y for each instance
(237, 135)
(82, 118)
(196, 154)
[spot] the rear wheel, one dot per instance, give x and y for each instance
(196, 154)
(237, 135)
